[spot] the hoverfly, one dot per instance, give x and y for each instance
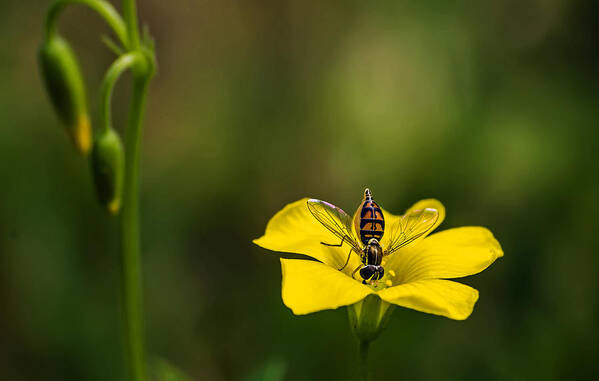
(369, 223)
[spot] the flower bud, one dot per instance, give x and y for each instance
(369, 317)
(107, 164)
(66, 89)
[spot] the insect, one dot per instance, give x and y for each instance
(368, 224)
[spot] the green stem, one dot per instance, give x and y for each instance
(103, 8)
(130, 15)
(115, 70)
(364, 370)
(132, 284)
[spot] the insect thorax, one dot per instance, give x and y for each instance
(372, 254)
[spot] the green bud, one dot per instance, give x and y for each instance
(107, 164)
(66, 89)
(369, 317)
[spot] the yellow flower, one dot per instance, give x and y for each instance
(415, 276)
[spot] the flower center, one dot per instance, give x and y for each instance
(384, 282)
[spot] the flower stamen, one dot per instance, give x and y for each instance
(384, 282)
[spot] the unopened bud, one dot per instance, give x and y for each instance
(66, 89)
(107, 162)
(369, 317)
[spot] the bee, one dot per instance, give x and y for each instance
(368, 224)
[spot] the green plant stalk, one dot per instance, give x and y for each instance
(364, 371)
(130, 236)
(367, 319)
(103, 8)
(130, 247)
(118, 67)
(130, 16)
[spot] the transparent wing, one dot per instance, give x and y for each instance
(334, 219)
(410, 227)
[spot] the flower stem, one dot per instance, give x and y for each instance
(130, 246)
(130, 16)
(364, 370)
(117, 68)
(131, 266)
(103, 8)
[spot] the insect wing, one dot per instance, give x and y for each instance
(410, 227)
(335, 220)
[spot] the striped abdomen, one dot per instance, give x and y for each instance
(369, 220)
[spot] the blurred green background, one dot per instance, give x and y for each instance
(489, 106)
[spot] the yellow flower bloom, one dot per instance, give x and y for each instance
(415, 276)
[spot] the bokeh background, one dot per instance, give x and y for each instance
(488, 106)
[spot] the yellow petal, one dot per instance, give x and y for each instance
(391, 219)
(310, 286)
(295, 230)
(451, 253)
(434, 296)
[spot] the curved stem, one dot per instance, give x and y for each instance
(130, 15)
(103, 8)
(364, 371)
(118, 67)
(131, 267)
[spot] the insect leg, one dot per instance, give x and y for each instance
(355, 271)
(329, 244)
(369, 280)
(347, 261)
